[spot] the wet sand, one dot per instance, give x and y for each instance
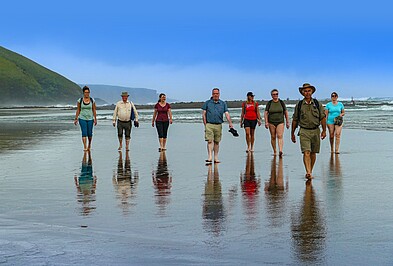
(145, 207)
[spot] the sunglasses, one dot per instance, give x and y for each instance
(274, 94)
(333, 95)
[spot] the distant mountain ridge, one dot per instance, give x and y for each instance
(25, 82)
(111, 94)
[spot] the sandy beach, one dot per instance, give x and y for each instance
(145, 207)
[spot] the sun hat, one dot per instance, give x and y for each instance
(124, 93)
(305, 86)
(250, 94)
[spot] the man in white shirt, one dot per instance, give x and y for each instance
(122, 114)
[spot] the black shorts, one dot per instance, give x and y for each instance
(250, 123)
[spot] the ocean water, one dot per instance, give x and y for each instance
(369, 114)
(61, 206)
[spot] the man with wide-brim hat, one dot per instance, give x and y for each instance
(122, 115)
(309, 114)
(305, 86)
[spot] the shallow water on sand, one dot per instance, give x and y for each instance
(62, 206)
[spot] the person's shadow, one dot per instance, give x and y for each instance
(213, 211)
(85, 184)
(125, 184)
(308, 229)
(276, 191)
(162, 181)
(250, 189)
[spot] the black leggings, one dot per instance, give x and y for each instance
(162, 129)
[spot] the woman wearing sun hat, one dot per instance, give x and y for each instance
(334, 111)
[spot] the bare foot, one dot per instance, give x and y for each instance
(280, 154)
(308, 176)
(119, 149)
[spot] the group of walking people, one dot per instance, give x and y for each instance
(309, 115)
(124, 115)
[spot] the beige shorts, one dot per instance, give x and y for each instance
(213, 132)
(310, 140)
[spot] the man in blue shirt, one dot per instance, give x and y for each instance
(213, 111)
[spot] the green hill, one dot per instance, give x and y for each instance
(24, 82)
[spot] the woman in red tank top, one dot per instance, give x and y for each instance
(250, 117)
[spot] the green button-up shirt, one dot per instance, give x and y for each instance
(310, 117)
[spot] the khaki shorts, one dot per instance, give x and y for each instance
(213, 132)
(310, 140)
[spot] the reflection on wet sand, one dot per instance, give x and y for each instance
(24, 135)
(335, 166)
(250, 189)
(276, 191)
(334, 187)
(162, 181)
(213, 211)
(86, 185)
(125, 184)
(308, 229)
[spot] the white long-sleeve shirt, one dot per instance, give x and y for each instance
(123, 111)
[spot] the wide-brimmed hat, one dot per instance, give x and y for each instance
(305, 86)
(250, 94)
(124, 93)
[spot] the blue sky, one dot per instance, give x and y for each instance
(186, 48)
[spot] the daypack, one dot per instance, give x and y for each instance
(299, 107)
(270, 103)
(81, 99)
(132, 112)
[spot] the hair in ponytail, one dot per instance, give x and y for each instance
(159, 96)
